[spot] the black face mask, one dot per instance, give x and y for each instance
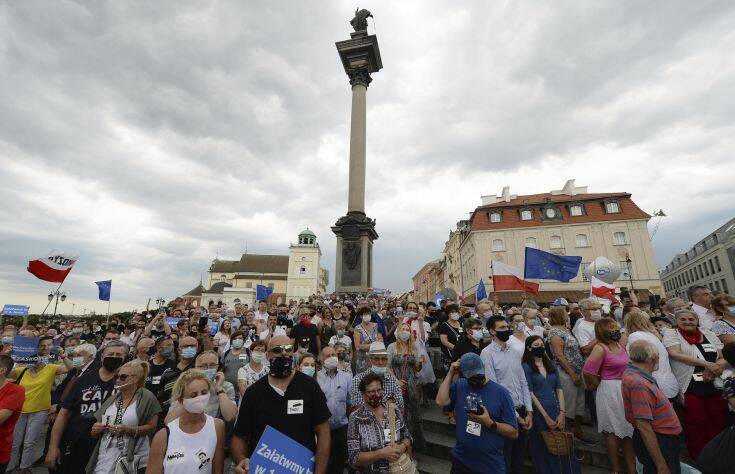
(112, 363)
(503, 335)
(281, 367)
(538, 351)
(476, 381)
(615, 335)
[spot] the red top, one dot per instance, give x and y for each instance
(12, 397)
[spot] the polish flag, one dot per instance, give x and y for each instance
(507, 278)
(603, 290)
(54, 267)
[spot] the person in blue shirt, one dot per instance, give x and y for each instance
(485, 417)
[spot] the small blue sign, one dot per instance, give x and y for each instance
(25, 349)
(276, 452)
(173, 321)
(15, 310)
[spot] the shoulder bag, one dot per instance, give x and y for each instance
(404, 465)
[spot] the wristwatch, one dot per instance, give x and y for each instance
(494, 426)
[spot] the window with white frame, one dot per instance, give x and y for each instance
(526, 215)
(612, 207)
(619, 238)
(575, 210)
(555, 242)
(498, 245)
(531, 242)
(495, 217)
(581, 240)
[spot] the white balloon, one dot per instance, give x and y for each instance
(602, 269)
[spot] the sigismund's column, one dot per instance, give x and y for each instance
(355, 231)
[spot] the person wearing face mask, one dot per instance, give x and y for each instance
(223, 337)
(548, 401)
(255, 369)
(604, 370)
(308, 331)
(340, 336)
(160, 363)
(157, 327)
(187, 352)
(307, 364)
(405, 361)
(124, 422)
(724, 327)
(504, 367)
(584, 329)
(287, 400)
(532, 320)
(517, 340)
(450, 332)
(194, 441)
(378, 364)
(235, 358)
(485, 415)
(7, 340)
(71, 430)
(221, 402)
(376, 434)
(335, 384)
(365, 334)
(37, 379)
(343, 357)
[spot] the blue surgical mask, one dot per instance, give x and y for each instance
(189, 352)
(237, 343)
(308, 371)
(7, 340)
(77, 361)
(69, 351)
(210, 373)
(730, 310)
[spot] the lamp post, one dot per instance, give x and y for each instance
(57, 294)
(72, 309)
(629, 262)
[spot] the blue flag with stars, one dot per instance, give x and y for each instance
(481, 292)
(545, 265)
(105, 287)
(262, 292)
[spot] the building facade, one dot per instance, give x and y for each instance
(428, 281)
(295, 276)
(710, 262)
(569, 221)
(450, 261)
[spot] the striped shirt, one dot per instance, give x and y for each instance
(643, 399)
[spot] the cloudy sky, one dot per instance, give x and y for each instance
(149, 137)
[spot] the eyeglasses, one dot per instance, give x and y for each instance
(122, 377)
(281, 349)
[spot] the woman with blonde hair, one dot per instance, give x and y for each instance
(193, 442)
(639, 327)
(125, 422)
(405, 360)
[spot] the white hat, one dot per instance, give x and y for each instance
(377, 348)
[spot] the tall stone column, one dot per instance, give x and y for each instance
(355, 231)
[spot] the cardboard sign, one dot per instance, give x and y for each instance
(277, 452)
(25, 349)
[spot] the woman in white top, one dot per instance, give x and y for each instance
(193, 442)
(639, 327)
(255, 369)
(222, 338)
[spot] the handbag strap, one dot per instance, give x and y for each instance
(392, 421)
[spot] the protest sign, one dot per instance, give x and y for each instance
(25, 349)
(277, 452)
(15, 310)
(173, 321)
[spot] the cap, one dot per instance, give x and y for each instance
(377, 348)
(561, 302)
(471, 365)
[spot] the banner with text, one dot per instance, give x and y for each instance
(25, 349)
(14, 310)
(277, 452)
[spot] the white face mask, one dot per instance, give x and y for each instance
(477, 334)
(520, 327)
(257, 357)
(618, 313)
(197, 404)
(454, 316)
(366, 318)
(330, 363)
(404, 335)
(595, 315)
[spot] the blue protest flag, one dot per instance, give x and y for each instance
(262, 292)
(14, 310)
(105, 287)
(540, 264)
(276, 452)
(481, 291)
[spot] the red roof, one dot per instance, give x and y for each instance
(594, 210)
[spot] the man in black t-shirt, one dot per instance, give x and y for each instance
(287, 400)
(305, 329)
(160, 363)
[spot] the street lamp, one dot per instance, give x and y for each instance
(629, 262)
(59, 295)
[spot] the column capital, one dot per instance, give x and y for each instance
(359, 76)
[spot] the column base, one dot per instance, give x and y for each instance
(355, 235)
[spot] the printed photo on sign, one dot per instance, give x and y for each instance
(202, 458)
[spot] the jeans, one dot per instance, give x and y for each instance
(669, 445)
(25, 435)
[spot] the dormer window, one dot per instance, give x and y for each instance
(526, 215)
(495, 217)
(575, 210)
(612, 207)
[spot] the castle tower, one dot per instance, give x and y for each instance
(303, 267)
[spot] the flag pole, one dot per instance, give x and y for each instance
(108, 313)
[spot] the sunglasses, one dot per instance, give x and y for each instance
(281, 349)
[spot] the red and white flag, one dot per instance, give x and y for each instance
(54, 267)
(603, 290)
(507, 278)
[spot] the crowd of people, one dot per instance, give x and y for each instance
(192, 389)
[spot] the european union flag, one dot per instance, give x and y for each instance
(262, 292)
(540, 264)
(105, 287)
(481, 292)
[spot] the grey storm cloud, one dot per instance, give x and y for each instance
(151, 136)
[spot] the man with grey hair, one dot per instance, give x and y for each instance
(657, 428)
(670, 308)
(532, 319)
(584, 328)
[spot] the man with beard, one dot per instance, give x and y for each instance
(287, 400)
(485, 417)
